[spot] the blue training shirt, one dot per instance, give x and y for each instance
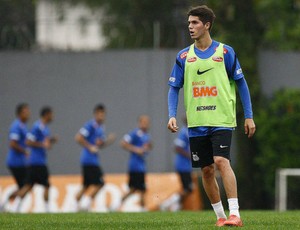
(38, 133)
(137, 138)
(17, 132)
(92, 132)
(182, 163)
(233, 70)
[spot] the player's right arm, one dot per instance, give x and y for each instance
(175, 83)
(14, 145)
(80, 138)
(14, 137)
(126, 143)
(32, 140)
(172, 107)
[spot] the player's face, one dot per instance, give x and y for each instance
(50, 117)
(196, 28)
(99, 116)
(25, 114)
(144, 123)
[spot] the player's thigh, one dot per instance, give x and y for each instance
(221, 143)
(137, 181)
(92, 175)
(42, 176)
(20, 175)
(201, 151)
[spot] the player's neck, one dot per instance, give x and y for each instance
(203, 43)
(44, 121)
(22, 120)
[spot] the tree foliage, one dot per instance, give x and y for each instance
(130, 23)
(278, 135)
(281, 22)
(17, 24)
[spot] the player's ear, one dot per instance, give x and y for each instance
(207, 25)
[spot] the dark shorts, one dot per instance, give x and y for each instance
(38, 174)
(137, 181)
(19, 174)
(92, 175)
(186, 181)
(204, 148)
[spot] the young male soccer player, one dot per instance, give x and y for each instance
(16, 158)
(183, 163)
(209, 70)
(39, 140)
(92, 137)
(138, 143)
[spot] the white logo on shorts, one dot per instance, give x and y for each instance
(223, 146)
(195, 156)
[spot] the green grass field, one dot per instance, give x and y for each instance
(151, 220)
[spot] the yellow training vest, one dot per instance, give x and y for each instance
(209, 94)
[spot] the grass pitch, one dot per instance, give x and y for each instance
(151, 220)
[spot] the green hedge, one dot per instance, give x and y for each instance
(278, 138)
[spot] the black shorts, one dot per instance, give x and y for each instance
(137, 181)
(92, 175)
(19, 174)
(204, 148)
(38, 174)
(186, 181)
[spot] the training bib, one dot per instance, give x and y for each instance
(209, 94)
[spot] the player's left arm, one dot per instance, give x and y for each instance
(33, 141)
(181, 143)
(148, 146)
(104, 142)
(235, 72)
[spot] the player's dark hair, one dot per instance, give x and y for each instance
(20, 107)
(45, 111)
(99, 107)
(204, 13)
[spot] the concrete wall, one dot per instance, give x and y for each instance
(130, 83)
(279, 70)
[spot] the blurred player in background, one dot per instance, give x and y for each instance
(39, 140)
(18, 152)
(138, 143)
(183, 167)
(183, 164)
(92, 138)
(209, 71)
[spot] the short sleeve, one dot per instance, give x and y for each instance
(181, 140)
(129, 137)
(85, 130)
(34, 133)
(31, 137)
(14, 136)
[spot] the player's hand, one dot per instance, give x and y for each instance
(172, 125)
(147, 147)
(111, 138)
(26, 153)
(47, 144)
(139, 151)
(93, 149)
(249, 127)
(54, 139)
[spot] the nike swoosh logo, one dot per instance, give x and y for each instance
(202, 72)
(223, 146)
